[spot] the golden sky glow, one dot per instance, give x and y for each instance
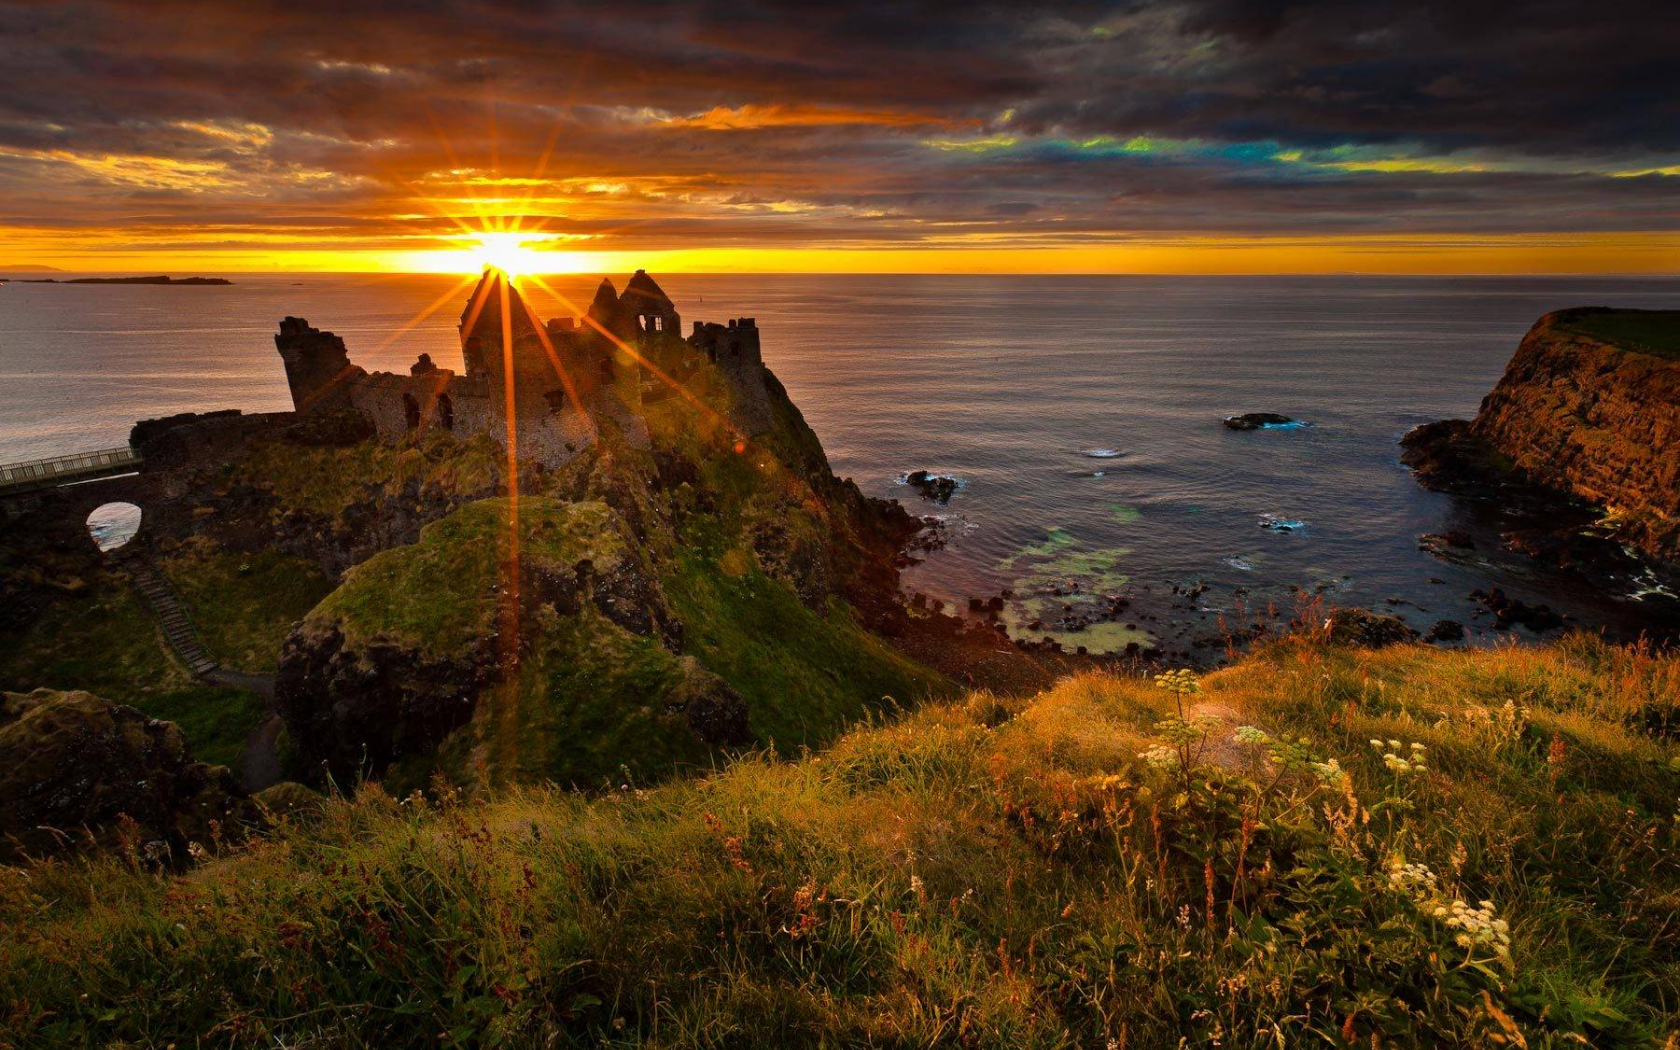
(174, 136)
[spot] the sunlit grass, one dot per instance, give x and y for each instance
(981, 873)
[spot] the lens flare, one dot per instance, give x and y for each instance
(510, 252)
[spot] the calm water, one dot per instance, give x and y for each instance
(1008, 383)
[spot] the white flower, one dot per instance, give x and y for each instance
(1161, 756)
(1250, 735)
(1329, 773)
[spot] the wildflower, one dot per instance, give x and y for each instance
(1378, 744)
(1329, 773)
(1415, 746)
(1251, 735)
(1160, 756)
(917, 885)
(1395, 744)
(1182, 681)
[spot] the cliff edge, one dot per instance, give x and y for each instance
(1587, 414)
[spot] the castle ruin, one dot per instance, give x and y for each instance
(557, 383)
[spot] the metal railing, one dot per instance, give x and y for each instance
(60, 470)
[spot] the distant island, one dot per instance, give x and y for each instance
(159, 279)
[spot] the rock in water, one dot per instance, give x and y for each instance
(79, 772)
(1446, 631)
(936, 487)
(1257, 421)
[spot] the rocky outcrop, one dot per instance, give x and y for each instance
(400, 655)
(80, 772)
(1367, 630)
(1587, 413)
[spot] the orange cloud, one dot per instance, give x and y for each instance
(748, 117)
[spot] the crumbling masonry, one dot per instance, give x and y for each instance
(569, 377)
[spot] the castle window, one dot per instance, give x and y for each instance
(556, 401)
(445, 412)
(411, 411)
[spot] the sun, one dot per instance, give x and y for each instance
(511, 253)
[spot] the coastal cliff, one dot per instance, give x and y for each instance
(1584, 427)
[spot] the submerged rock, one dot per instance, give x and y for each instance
(80, 772)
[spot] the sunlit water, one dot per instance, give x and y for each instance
(1080, 413)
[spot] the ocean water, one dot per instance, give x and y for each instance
(1081, 416)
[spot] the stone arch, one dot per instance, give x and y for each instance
(445, 412)
(112, 526)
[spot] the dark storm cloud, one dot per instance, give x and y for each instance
(844, 122)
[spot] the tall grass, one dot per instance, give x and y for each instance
(1049, 872)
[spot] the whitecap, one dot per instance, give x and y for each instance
(1278, 523)
(1103, 453)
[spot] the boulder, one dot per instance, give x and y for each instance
(79, 772)
(1367, 630)
(936, 487)
(1446, 631)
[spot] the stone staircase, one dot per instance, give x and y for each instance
(171, 615)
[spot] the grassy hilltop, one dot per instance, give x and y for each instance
(1405, 847)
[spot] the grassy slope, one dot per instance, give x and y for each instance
(244, 604)
(979, 874)
(442, 594)
(805, 677)
(328, 480)
(1656, 332)
(104, 641)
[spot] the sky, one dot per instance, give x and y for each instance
(1206, 136)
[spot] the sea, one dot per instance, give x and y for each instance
(1080, 416)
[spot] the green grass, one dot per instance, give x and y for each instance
(440, 596)
(244, 604)
(329, 480)
(982, 874)
(103, 641)
(805, 676)
(1655, 332)
(587, 705)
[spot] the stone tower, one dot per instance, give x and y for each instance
(318, 368)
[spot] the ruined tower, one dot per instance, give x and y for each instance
(650, 309)
(318, 368)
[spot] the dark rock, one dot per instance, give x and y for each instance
(936, 487)
(1453, 539)
(1446, 631)
(1369, 630)
(79, 772)
(1511, 612)
(1256, 420)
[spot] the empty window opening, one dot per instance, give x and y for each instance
(556, 401)
(445, 412)
(411, 411)
(113, 525)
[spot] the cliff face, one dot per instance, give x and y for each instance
(1586, 409)
(1589, 408)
